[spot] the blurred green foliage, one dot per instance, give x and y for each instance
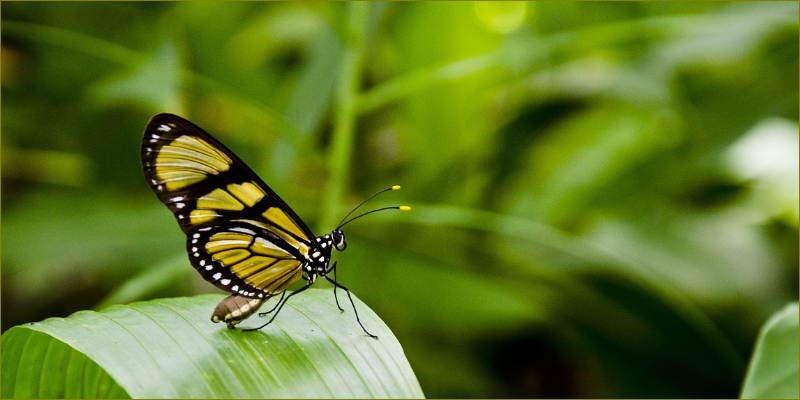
(605, 195)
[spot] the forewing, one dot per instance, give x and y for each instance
(200, 180)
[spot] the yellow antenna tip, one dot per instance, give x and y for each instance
(395, 187)
(404, 208)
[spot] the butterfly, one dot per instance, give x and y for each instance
(241, 236)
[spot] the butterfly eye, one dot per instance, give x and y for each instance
(338, 240)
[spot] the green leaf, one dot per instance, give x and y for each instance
(773, 372)
(170, 348)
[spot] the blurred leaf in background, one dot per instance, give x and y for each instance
(605, 194)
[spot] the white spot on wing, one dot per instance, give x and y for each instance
(225, 281)
(217, 275)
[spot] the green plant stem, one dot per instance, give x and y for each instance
(345, 110)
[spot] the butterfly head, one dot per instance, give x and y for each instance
(338, 240)
(320, 256)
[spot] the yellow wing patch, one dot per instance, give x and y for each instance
(188, 160)
(278, 277)
(252, 265)
(247, 192)
(257, 261)
(200, 216)
(234, 199)
(279, 218)
(219, 199)
(230, 257)
(194, 145)
(232, 236)
(178, 179)
(302, 247)
(218, 244)
(266, 248)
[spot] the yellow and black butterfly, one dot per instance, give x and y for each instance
(240, 235)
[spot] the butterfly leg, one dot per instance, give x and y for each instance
(263, 314)
(333, 268)
(339, 285)
(279, 307)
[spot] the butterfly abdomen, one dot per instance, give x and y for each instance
(234, 309)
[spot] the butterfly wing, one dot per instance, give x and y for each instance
(241, 236)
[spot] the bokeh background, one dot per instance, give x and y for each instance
(605, 195)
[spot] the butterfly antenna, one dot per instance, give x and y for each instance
(345, 221)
